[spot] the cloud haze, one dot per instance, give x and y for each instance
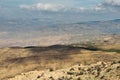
(74, 9)
(41, 6)
(112, 2)
(58, 7)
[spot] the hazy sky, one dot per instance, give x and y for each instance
(74, 9)
(71, 3)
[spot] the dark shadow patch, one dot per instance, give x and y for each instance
(111, 50)
(62, 49)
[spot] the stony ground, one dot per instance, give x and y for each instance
(17, 60)
(98, 71)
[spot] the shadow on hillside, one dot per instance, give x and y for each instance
(59, 48)
(55, 52)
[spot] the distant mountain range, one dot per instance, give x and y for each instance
(40, 32)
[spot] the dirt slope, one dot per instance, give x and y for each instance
(17, 60)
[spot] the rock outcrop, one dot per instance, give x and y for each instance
(98, 71)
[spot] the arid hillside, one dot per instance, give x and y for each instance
(17, 60)
(98, 71)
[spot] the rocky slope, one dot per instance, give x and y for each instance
(17, 60)
(98, 71)
(14, 61)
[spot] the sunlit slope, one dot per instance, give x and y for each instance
(17, 60)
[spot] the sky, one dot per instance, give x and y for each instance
(88, 10)
(65, 3)
(72, 3)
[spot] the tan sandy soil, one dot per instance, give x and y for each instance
(17, 60)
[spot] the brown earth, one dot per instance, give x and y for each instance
(17, 60)
(98, 71)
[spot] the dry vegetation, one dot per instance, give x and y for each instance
(17, 60)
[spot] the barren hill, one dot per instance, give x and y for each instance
(17, 60)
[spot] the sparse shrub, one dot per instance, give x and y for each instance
(112, 50)
(91, 46)
(51, 69)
